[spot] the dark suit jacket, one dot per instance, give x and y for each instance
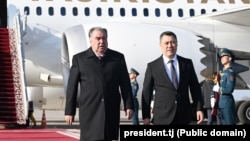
(168, 101)
(102, 83)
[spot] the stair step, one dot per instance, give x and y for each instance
(4, 44)
(8, 107)
(5, 85)
(8, 122)
(3, 36)
(6, 72)
(7, 98)
(2, 30)
(5, 55)
(7, 104)
(7, 89)
(7, 113)
(6, 80)
(6, 67)
(7, 119)
(5, 75)
(5, 61)
(6, 94)
(5, 51)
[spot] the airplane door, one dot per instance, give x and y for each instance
(3, 13)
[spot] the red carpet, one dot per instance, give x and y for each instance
(38, 135)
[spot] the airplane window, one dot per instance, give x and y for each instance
(157, 12)
(99, 11)
(191, 12)
(145, 12)
(74, 11)
(39, 11)
(51, 11)
(122, 12)
(27, 10)
(203, 11)
(214, 10)
(63, 11)
(169, 12)
(111, 12)
(86, 11)
(180, 12)
(134, 12)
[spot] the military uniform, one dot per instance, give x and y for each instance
(135, 88)
(227, 84)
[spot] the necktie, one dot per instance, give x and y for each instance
(173, 74)
(99, 57)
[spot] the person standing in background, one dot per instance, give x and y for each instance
(103, 78)
(172, 77)
(225, 88)
(30, 114)
(135, 87)
(207, 91)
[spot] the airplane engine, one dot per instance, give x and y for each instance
(74, 40)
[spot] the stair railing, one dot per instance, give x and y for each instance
(17, 57)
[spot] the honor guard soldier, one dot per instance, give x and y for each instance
(135, 87)
(226, 88)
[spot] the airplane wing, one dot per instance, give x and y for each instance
(238, 16)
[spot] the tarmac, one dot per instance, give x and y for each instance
(55, 122)
(55, 119)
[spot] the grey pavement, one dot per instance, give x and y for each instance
(56, 118)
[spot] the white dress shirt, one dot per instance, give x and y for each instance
(167, 65)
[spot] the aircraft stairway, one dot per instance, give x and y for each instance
(12, 96)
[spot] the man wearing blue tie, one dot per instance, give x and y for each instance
(172, 77)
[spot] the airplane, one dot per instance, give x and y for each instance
(50, 32)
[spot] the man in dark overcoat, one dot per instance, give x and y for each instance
(103, 78)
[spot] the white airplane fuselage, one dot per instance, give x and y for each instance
(134, 27)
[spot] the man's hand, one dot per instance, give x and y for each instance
(129, 113)
(200, 117)
(146, 121)
(69, 119)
